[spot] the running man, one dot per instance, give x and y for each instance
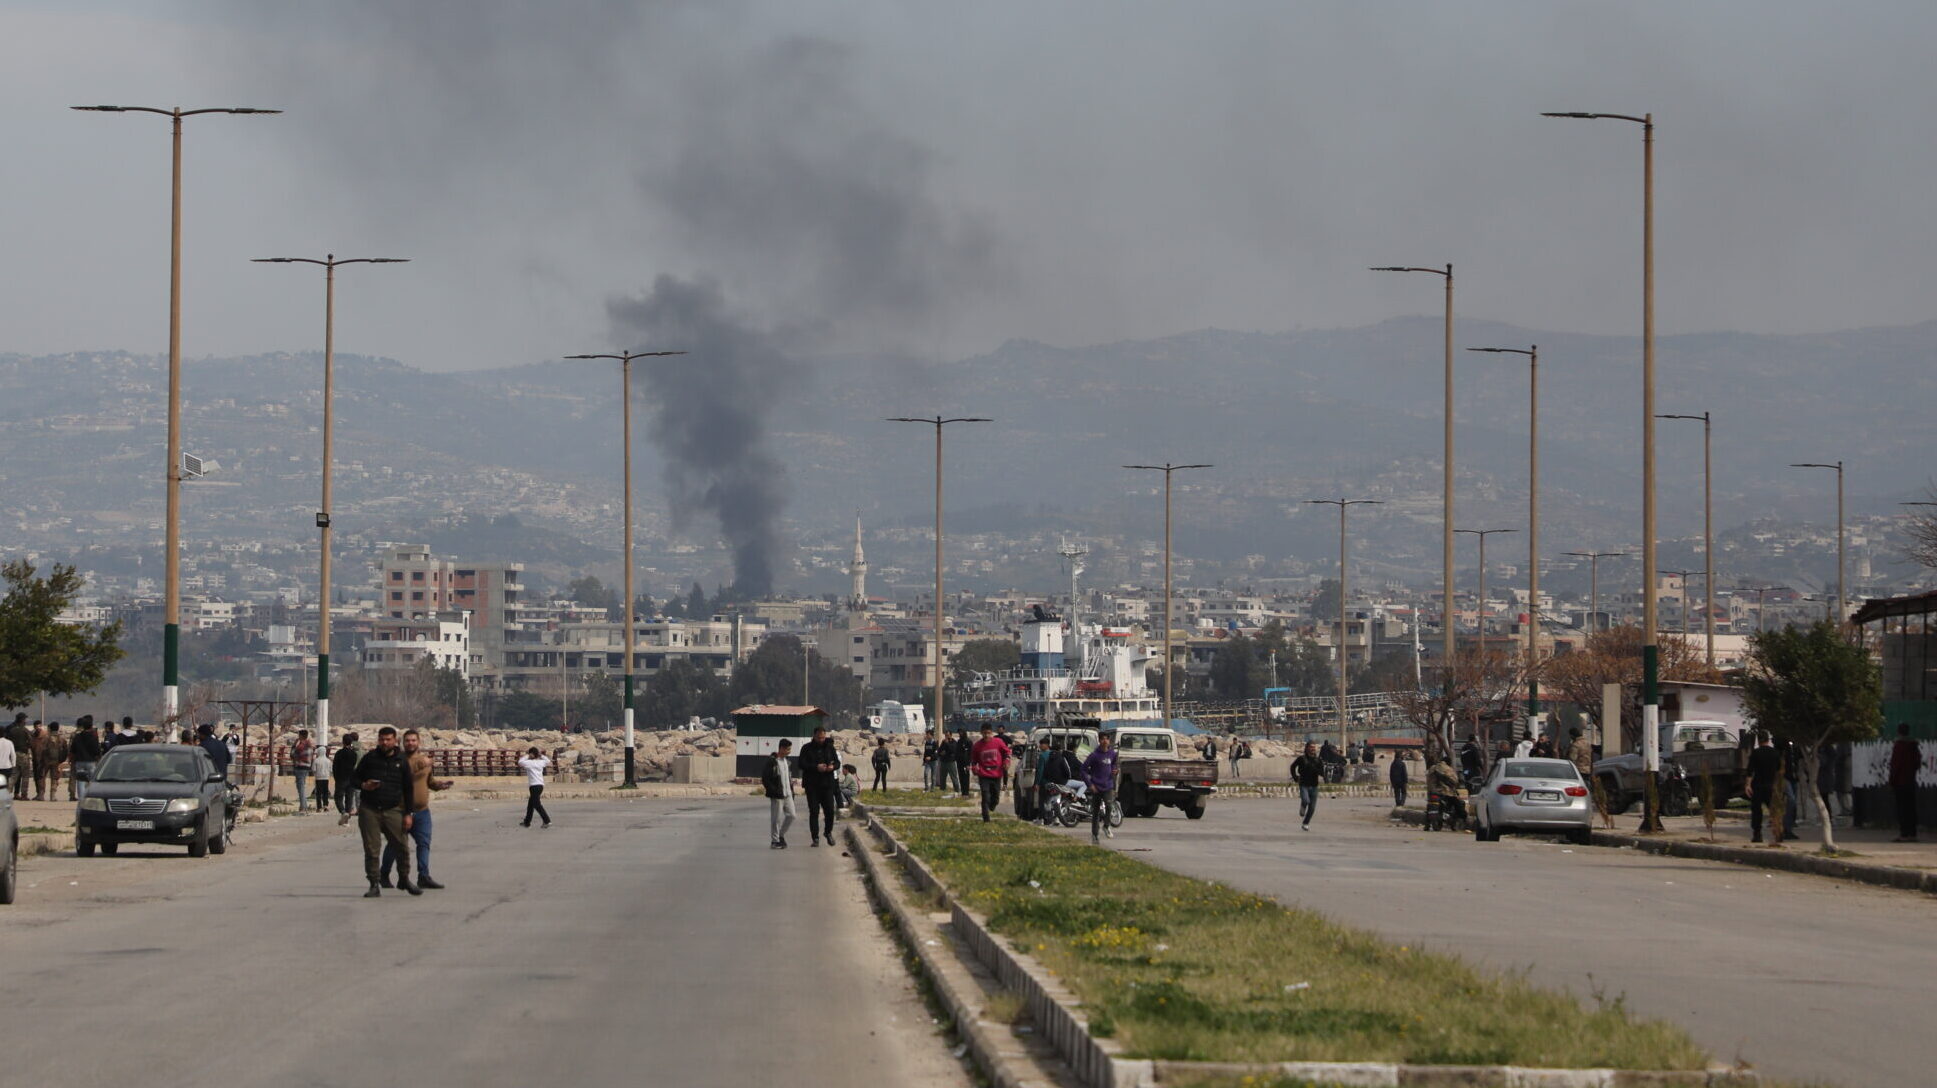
(534, 767)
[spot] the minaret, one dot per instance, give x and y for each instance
(857, 572)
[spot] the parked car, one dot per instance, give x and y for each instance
(9, 844)
(154, 793)
(1691, 750)
(1546, 795)
(1081, 741)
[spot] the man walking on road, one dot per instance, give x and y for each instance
(882, 760)
(1398, 778)
(300, 755)
(534, 767)
(47, 763)
(928, 763)
(819, 763)
(82, 754)
(1765, 766)
(990, 758)
(383, 813)
(964, 757)
(778, 779)
(1306, 770)
(343, 770)
(1905, 759)
(319, 768)
(1099, 774)
(421, 786)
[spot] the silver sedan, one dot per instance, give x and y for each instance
(1533, 795)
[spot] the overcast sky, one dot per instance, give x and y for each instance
(941, 177)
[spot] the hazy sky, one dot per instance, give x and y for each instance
(942, 177)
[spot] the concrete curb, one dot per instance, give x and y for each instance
(1884, 876)
(996, 1056)
(1101, 1064)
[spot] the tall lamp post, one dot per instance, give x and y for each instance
(624, 359)
(1594, 586)
(1446, 499)
(938, 422)
(1480, 613)
(1650, 643)
(1708, 530)
(1167, 469)
(1842, 600)
(172, 544)
(1342, 505)
(328, 264)
(1533, 526)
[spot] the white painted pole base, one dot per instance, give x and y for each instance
(1651, 737)
(171, 704)
(628, 727)
(323, 723)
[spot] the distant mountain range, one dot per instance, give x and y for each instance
(1283, 416)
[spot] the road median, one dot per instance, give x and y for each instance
(1142, 976)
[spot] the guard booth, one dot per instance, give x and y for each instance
(1908, 648)
(760, 729)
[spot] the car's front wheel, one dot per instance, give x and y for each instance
(198, 846)
(83, 849)
(1581, 836)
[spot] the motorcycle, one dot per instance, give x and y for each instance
(1070, 803)
(1447, 811)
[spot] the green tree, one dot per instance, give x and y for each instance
(38, 654)
(1813, 686)
(1325, 601)
(678, 692)
(1306, 668)
(526, 711)
(982, 655)
(1390, 671)
(1237, 670)
(453, 692)
(696, 604)
(592, 593)
(601, 704)
(772, 674)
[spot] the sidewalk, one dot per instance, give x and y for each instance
(1866, 855)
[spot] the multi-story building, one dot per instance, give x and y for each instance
(444, 639)
(413, 584)
(547, 660)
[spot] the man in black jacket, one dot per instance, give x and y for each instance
(928, 764)
(343, 770)
(1306, 771)
(1765, 766)
(819, 763)
(778, 780)
(964, 755)
(82, 754)
(882, 760)
(384, 812)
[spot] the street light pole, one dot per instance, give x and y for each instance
(172, 539)
(938, 422)
(1842, 600)
(1480, 613)
(1533, 525)
(1650, 645)
(1708, 531)
(624, 360)
(1446, 500)
(1167, 469)
(1342, 504)
(1594, 585)
(328, 264)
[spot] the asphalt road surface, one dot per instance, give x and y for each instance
(656, 942)
(1804, 977)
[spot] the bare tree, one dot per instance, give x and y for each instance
(1613, 656)
(1923, 532)
(1480, 682)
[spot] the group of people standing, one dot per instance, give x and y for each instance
(36, 756)
(1057, 765)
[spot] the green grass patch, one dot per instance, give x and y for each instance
(916, 799)
(1192, 970)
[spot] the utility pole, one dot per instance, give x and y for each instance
(1842, 599)
(624, 359)
(938, 422)
(1532, 355)
(1342, 646)
(1594, 586)
(1167, 469)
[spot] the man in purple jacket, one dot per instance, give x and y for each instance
(1099, 774)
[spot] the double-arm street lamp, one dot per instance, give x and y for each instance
(1343, 585)
(1167, 469)
(1842, 600)
(624, 359)
(1650, 643)
(1480, 613)
(1594, 586)
(328, 264)
(1708, 531)
(1446, 500)
(1532, 355)
(938, 422)
(172, 558)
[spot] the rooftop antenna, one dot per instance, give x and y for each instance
(1074, 554)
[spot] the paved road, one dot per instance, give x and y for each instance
(652, 942)
(1805, 977)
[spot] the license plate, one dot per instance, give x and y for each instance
(1543, 795)
(135, 825)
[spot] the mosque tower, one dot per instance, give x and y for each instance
(857, 572)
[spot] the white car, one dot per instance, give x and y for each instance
(1544, 795)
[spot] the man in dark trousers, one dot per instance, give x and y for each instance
(777, 778)
(819, 763)
(218, 753)
(991, 757)
(1398, 778)
(964, 756)
(1765, 767)
(383, 811)
(1905, 759)
(82, 754)
(1306, 771)
(343, 770)
(882, 760)
(928, 764)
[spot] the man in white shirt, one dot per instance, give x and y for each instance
(778, 778)
(7, 761)
(534, 767)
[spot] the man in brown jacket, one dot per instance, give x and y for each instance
(50, 751)
(418, 806)
(1580, 753)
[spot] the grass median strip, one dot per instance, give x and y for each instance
(916, 799)
(1192, 970)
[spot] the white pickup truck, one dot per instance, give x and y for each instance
(1152, 773)
(1691, 749)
